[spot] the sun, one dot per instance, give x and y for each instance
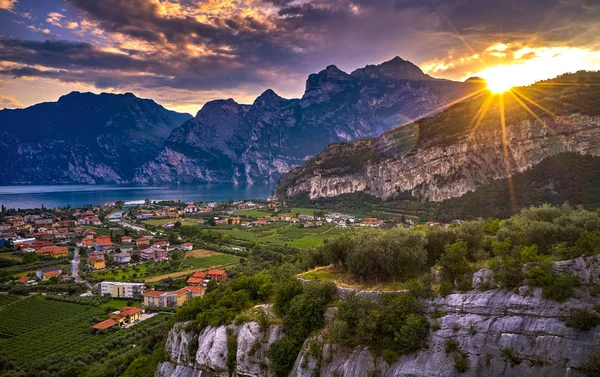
(498, 85)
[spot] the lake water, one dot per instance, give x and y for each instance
(52, 196)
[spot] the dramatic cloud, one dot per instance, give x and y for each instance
(7, 4)
(215, 48)
(8, 101)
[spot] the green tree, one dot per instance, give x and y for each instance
(453, 262)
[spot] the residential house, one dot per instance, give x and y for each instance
(87, 242)
(103, 242)
(261, 221)
(127, 315)
(153, 253)
(161, 244)
(221, 221)
(96, 263)
(236, 220)
(272, 205)
(53, 251)
(187, 246)
(46, 272)
(126, 247)
(22, 280)
(121, 290)
(122, 257)
(372, 222)
(126, 239)
(191, 208)
(197, 279)
(142, 241)
(218, 275)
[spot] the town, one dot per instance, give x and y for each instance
(147, 257)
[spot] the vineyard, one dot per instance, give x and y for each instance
(36, 328)
(7, 300)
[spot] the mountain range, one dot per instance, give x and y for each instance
(463, 148)
(107, 138)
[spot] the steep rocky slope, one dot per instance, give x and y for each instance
(231, 142)
(462, 148)
(83, 138)
(482, 322)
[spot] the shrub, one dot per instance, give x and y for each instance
(231, 351)
(592, 367)
(453, 262)
(509, 355)
(582, 319)
(451, 345)
(192, 348)
(461, 362)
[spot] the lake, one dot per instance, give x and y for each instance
(52, 196)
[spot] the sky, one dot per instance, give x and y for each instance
(185, 53)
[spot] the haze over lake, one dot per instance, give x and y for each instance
(33, 196)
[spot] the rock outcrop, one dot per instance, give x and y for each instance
(458, 150)
(501, 332)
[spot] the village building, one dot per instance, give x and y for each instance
(48, 272)
(122, 257)
(53, 251)
(218, 275)
(236, 220)
(121, 290)
(142, 241)
(172, 299)
(96, 263)
(127, 315)
(153, 253)
(187, 246)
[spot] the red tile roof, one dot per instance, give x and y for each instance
(154, 293)
(127, 311)
(199, 274)
(195, 289)
(54, 250)
(188, 244)
(22, 280)
(51, 274)
(105, 324)
(194, 280)
(216, 272)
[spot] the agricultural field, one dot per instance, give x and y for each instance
(283, 233)
(211, 260)
(122, 274)
(8, 299)
(35, 328)
(161, 222)
(265, 212)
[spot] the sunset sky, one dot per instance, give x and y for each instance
(184, 53)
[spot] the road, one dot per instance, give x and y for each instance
(75, 267)
(135, 227)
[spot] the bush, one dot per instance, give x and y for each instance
(582, 319)
(396, 326)
(558, 287)
(592, 367)
(509, 355)
(461, 362)
(231, 351)
(453, 262)
(451, 345)
(282, 354)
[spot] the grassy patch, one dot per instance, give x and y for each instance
(161, 222)
(342, 279)
(211, 260)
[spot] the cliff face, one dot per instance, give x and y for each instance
(455, 151)
(482, 322)
(230, 142)
(83, 138)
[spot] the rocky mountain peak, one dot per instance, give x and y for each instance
(396, 68)
(320, 85)
(268, 99)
